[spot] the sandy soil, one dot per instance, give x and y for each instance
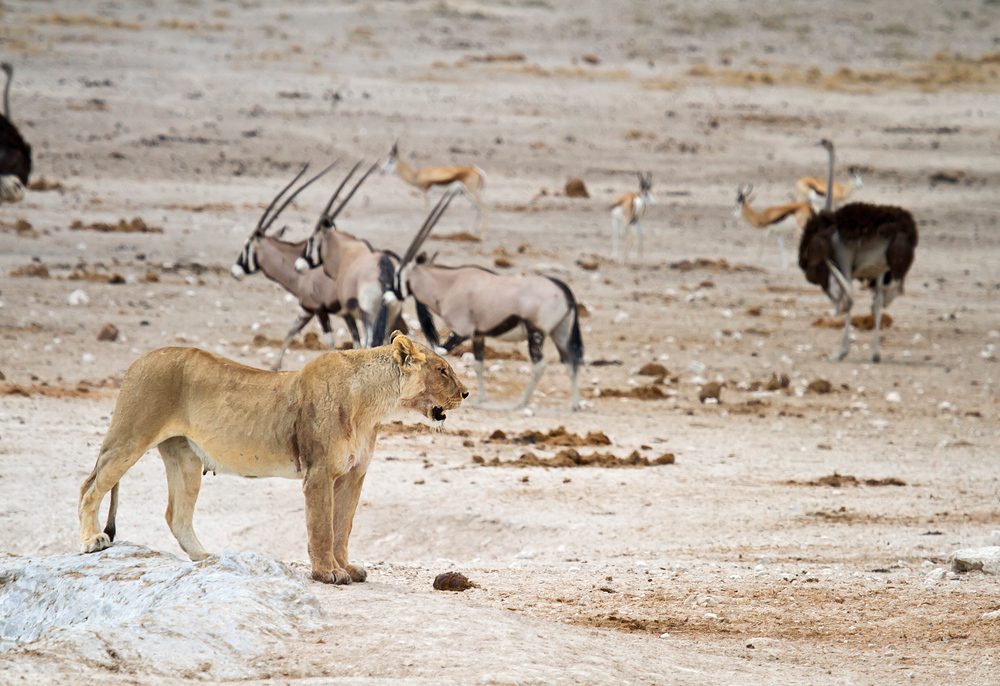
(738, 563)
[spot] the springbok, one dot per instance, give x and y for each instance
(15, 153)
(788, 219)
(468, 180)
(475, 303)
(627, 211)
(362, 273)
(315, 291)
(872, 243)
(813, 190)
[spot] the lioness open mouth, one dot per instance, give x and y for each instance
(437, 414)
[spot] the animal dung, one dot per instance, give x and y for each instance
(711, 391)
(136, 225)
(576, 188)
(453, 581)
(836, 480)
(650, 392)
(309, 342)
(862, 322)
(109, 332)
(558, 437)
(819, 386)
(569, 457)
(777, 382)
(653, 369)
(35, 269)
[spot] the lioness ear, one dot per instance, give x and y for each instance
(405, 352)
(395, 333)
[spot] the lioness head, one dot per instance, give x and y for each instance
(431, 386)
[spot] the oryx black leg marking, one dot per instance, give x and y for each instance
(536, 341)
(454, 340)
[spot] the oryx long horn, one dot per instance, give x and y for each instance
(333, 198)
(425, 230)
(291, 197)
(274, 202)
(354, 190)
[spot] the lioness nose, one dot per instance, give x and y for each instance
(465, 395)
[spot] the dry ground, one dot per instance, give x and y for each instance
(735, 564)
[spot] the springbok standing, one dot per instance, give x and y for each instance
(813, 190)
(628, 211)
(475, 303)
(362, 273)
(315, 291)
(788, 219)
(468, 180)
(873, 243)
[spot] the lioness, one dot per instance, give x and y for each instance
(318, 424)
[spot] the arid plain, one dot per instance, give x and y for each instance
(801, 535)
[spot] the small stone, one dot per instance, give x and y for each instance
(108, 333)
(78, 297)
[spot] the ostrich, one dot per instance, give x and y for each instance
(872, 243)
(15, 153)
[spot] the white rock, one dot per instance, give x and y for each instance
(697, 367)
(155, 612)
(990, 616)
(88, 358)
(78, 297)
(986, 559)
(621, 317)
(893, 397)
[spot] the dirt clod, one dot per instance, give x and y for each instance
(109, 332)
(819, 386)
(576, 188)
(453, 581)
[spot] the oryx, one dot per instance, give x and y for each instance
(363, 274)
(315, 291)
(475, 303)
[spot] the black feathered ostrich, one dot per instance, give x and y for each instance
(15, 153)
(873, 243)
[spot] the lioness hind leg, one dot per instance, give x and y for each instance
(184, 483)
(116, 457)
(346, 494)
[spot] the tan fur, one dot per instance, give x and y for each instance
(319, 424)
(803, 212)
(469, 179)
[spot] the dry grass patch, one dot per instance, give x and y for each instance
(136, 225)
(87, 20)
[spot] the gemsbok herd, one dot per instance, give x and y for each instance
(333, 272)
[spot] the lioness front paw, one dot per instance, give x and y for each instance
(334, 576)
(96, 543)
(358, 573)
